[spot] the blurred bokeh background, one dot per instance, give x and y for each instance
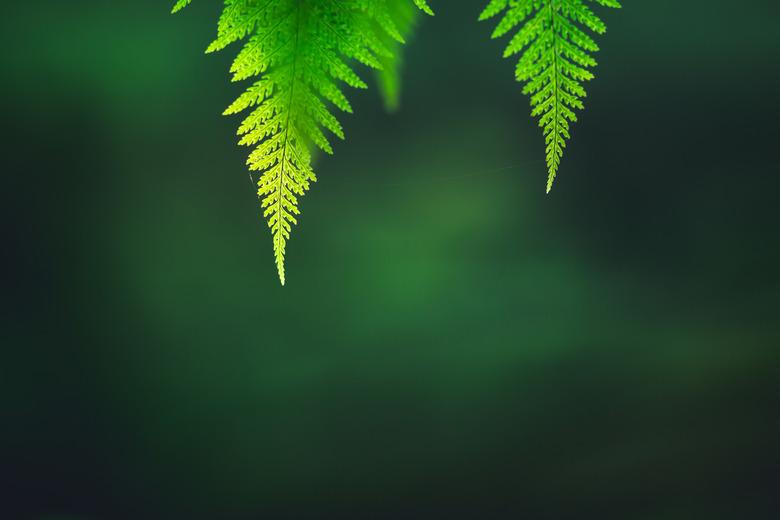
(452, 342)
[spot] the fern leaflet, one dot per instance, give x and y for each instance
(405, 17)
(555, 58)
(299, 52)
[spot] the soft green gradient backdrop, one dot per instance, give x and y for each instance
(452, 342)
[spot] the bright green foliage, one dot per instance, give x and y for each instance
(180, 4)
(423, 5)
(299, 51)
(555, 55)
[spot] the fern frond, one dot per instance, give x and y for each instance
(300, 52)
(424, 7)
(405, 17)
(555, 58)
(180, 4)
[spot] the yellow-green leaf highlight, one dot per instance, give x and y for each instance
(300, 55)
(555, 57)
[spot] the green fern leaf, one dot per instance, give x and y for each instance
(405, 18)
(423, 5)
(181, 4)
(300, 52)
(555, 58)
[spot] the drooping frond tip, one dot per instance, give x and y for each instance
(423, 5)
(555, 58)
(180, 4)
(405, 17)
(300, 53)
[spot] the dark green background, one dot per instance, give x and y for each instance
(452, 343)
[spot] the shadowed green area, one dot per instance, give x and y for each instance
(453, 343)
